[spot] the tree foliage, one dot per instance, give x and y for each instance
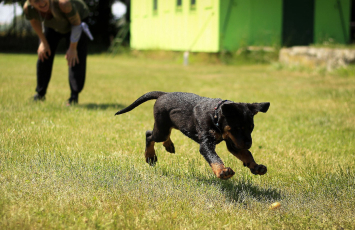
(100, 19)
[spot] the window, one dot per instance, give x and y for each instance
(155, 5)
(179, 5)
(193, 4)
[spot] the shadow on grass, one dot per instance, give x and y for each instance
(238, 189)
(243, 189)
(94, 106)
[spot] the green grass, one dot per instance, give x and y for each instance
(83, 168)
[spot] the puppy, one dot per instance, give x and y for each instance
(208, 121)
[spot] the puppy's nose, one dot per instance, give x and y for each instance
(248, 144)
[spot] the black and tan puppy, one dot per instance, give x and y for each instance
(208, 121)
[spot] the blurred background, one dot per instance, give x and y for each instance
(227, 30)
(106, 19)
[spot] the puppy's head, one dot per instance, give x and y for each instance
(238, 122)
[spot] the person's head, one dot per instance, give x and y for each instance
(40, 5)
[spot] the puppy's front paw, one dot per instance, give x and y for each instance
(259, 170)
(226, 173)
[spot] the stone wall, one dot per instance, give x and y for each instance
(312, 57)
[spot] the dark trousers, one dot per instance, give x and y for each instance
(76, 73)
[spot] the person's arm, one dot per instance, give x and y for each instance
(43, 50)
(73, 16)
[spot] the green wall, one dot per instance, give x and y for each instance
(171, 28)
(250, 22)
(218, 25)
(331, 24)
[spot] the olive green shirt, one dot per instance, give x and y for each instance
(59, 21)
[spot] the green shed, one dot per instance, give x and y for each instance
(218, 25)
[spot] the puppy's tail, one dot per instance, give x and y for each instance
(146, 97)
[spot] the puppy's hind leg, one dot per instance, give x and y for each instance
(168, 144)
(149, 154)
(160, 133)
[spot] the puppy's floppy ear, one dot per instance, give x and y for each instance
(229, 109)
(259, 107)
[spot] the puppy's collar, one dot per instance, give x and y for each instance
(216, 109)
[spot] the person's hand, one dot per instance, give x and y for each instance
(72, 57)
(43, 51)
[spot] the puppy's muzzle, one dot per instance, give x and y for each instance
(237, 143)
(247, 145)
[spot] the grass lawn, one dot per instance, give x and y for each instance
(81, 167)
